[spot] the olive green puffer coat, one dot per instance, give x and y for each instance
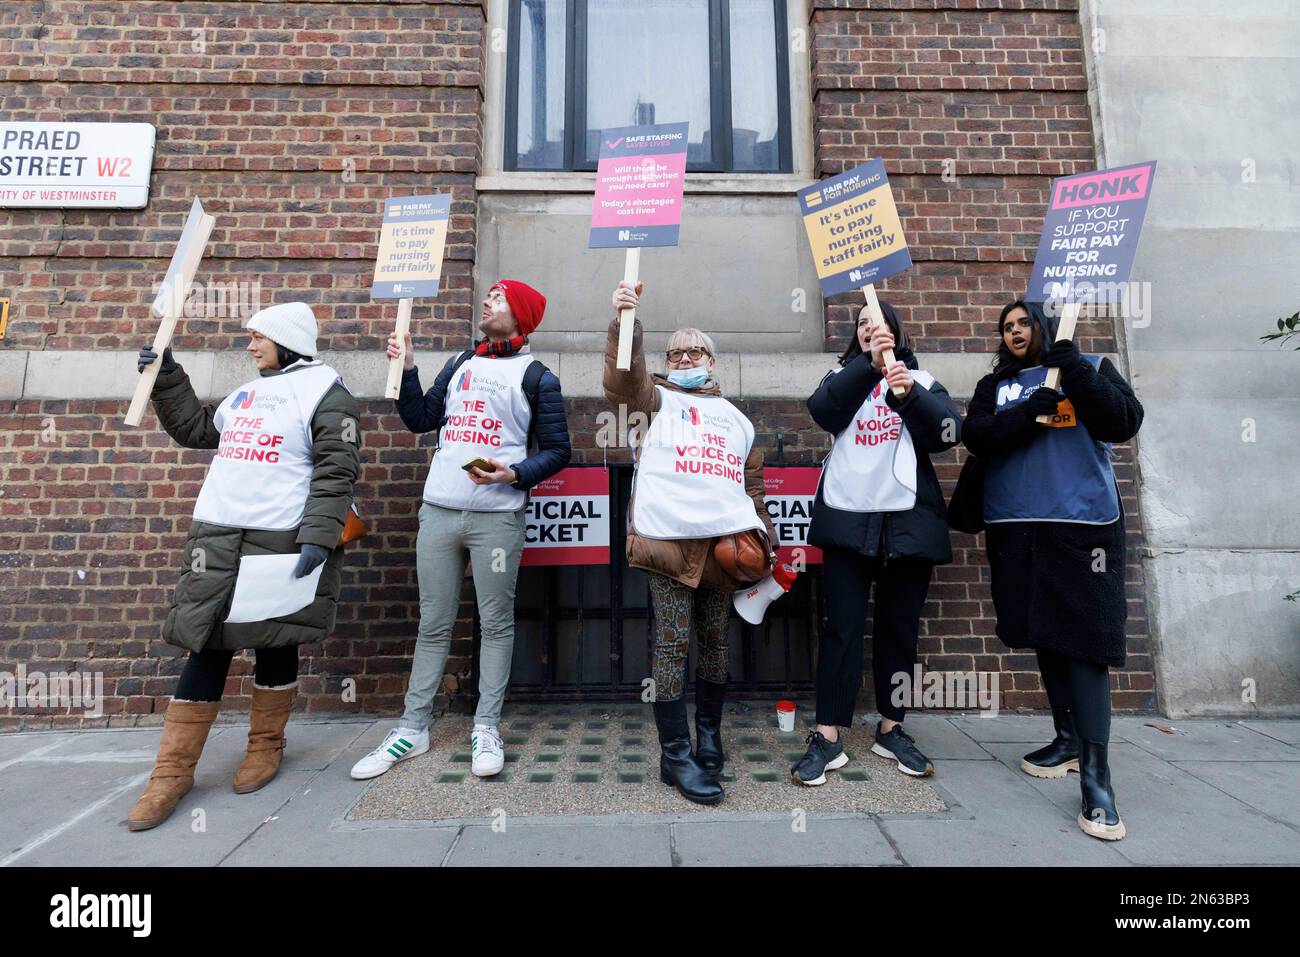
(210, 560)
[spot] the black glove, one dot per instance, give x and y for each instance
(1062, 354)
(147, 355)
(311, 557)
(1042, 401)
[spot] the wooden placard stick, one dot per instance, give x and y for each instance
(168, 303)
(878, 319)
(1069, 317)
(627, 317)
(394, 386)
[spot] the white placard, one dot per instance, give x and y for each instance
(266, 588)
(76, 165)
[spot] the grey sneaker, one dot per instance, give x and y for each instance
(899, 745)
(822, 756)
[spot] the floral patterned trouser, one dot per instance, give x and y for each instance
(679, 610)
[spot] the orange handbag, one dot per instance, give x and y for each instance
(353, 527)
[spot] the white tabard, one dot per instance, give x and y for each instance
(261, 475)
(872, 464)
(690, 472)
(487, 417)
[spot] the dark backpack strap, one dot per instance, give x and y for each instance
(532, 386)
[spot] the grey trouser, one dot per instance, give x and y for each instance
(493, 541)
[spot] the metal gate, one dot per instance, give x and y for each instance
(583, 631)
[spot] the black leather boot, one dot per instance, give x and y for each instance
(709, 696)
(1059, 758)
(1098, 816)
(677, 766)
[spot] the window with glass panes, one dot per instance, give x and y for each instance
(577, 67)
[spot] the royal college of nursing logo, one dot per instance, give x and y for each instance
(691, 415)
(463, 383)
(244, 400)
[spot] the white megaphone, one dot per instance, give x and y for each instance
(751, 603)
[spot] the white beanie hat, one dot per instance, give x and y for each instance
(289, 324)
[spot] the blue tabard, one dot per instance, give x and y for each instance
(1062, 475)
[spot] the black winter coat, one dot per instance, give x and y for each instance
(423, 412)
(1048, 589)
(934, 424)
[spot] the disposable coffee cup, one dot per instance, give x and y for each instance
(785, 715)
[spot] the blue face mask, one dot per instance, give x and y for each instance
(689, 378)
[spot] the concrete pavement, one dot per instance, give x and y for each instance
(1220, 792)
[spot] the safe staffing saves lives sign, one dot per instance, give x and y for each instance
(567, 519)
(640, 176)
(75, 165)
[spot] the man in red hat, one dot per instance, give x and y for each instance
(489, 405)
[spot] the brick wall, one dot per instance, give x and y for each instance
(292, 124)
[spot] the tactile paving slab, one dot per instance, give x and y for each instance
(604, 759)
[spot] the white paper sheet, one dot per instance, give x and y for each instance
(265, 588)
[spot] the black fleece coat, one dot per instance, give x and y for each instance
(934, 424)
(1047, 589)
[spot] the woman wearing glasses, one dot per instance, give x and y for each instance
(698, 477)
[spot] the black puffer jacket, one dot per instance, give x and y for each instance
(934, 424)
(423, 412)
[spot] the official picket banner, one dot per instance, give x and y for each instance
(640, 176)
(408, 264)
(76, 165)
(1090, 233)
(789, 493)
(853, 229)
(567, 519)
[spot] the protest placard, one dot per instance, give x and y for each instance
(169, 302)
(855, 234)
(788, 493)
(408, 264)
(1089, 238)
(567, 519)
(640, 176)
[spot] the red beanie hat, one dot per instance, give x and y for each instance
(525, 302)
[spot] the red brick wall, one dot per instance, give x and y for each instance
(292, 125)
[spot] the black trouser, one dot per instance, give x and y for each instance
(901, 585)
(204, 677)
(1081, 686)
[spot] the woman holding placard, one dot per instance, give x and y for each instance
(1055, 535)
(280, 486)
(878, 517)
(697, 526)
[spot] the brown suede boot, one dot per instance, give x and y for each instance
(266, 721)
(185, 730)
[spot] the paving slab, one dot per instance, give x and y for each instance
(941, 740)
(13, 745)
(1288, 731)
(1173, 818)
(1202, 740)
(562, 845)
(1036, 728)
(1272, 787)
(310, 830)
(847, 842)
(997, 820)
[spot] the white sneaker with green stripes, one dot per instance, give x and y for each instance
(401, 743)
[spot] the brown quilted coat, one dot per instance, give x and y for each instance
(688, 560)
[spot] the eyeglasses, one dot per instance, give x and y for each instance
(695, 354)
